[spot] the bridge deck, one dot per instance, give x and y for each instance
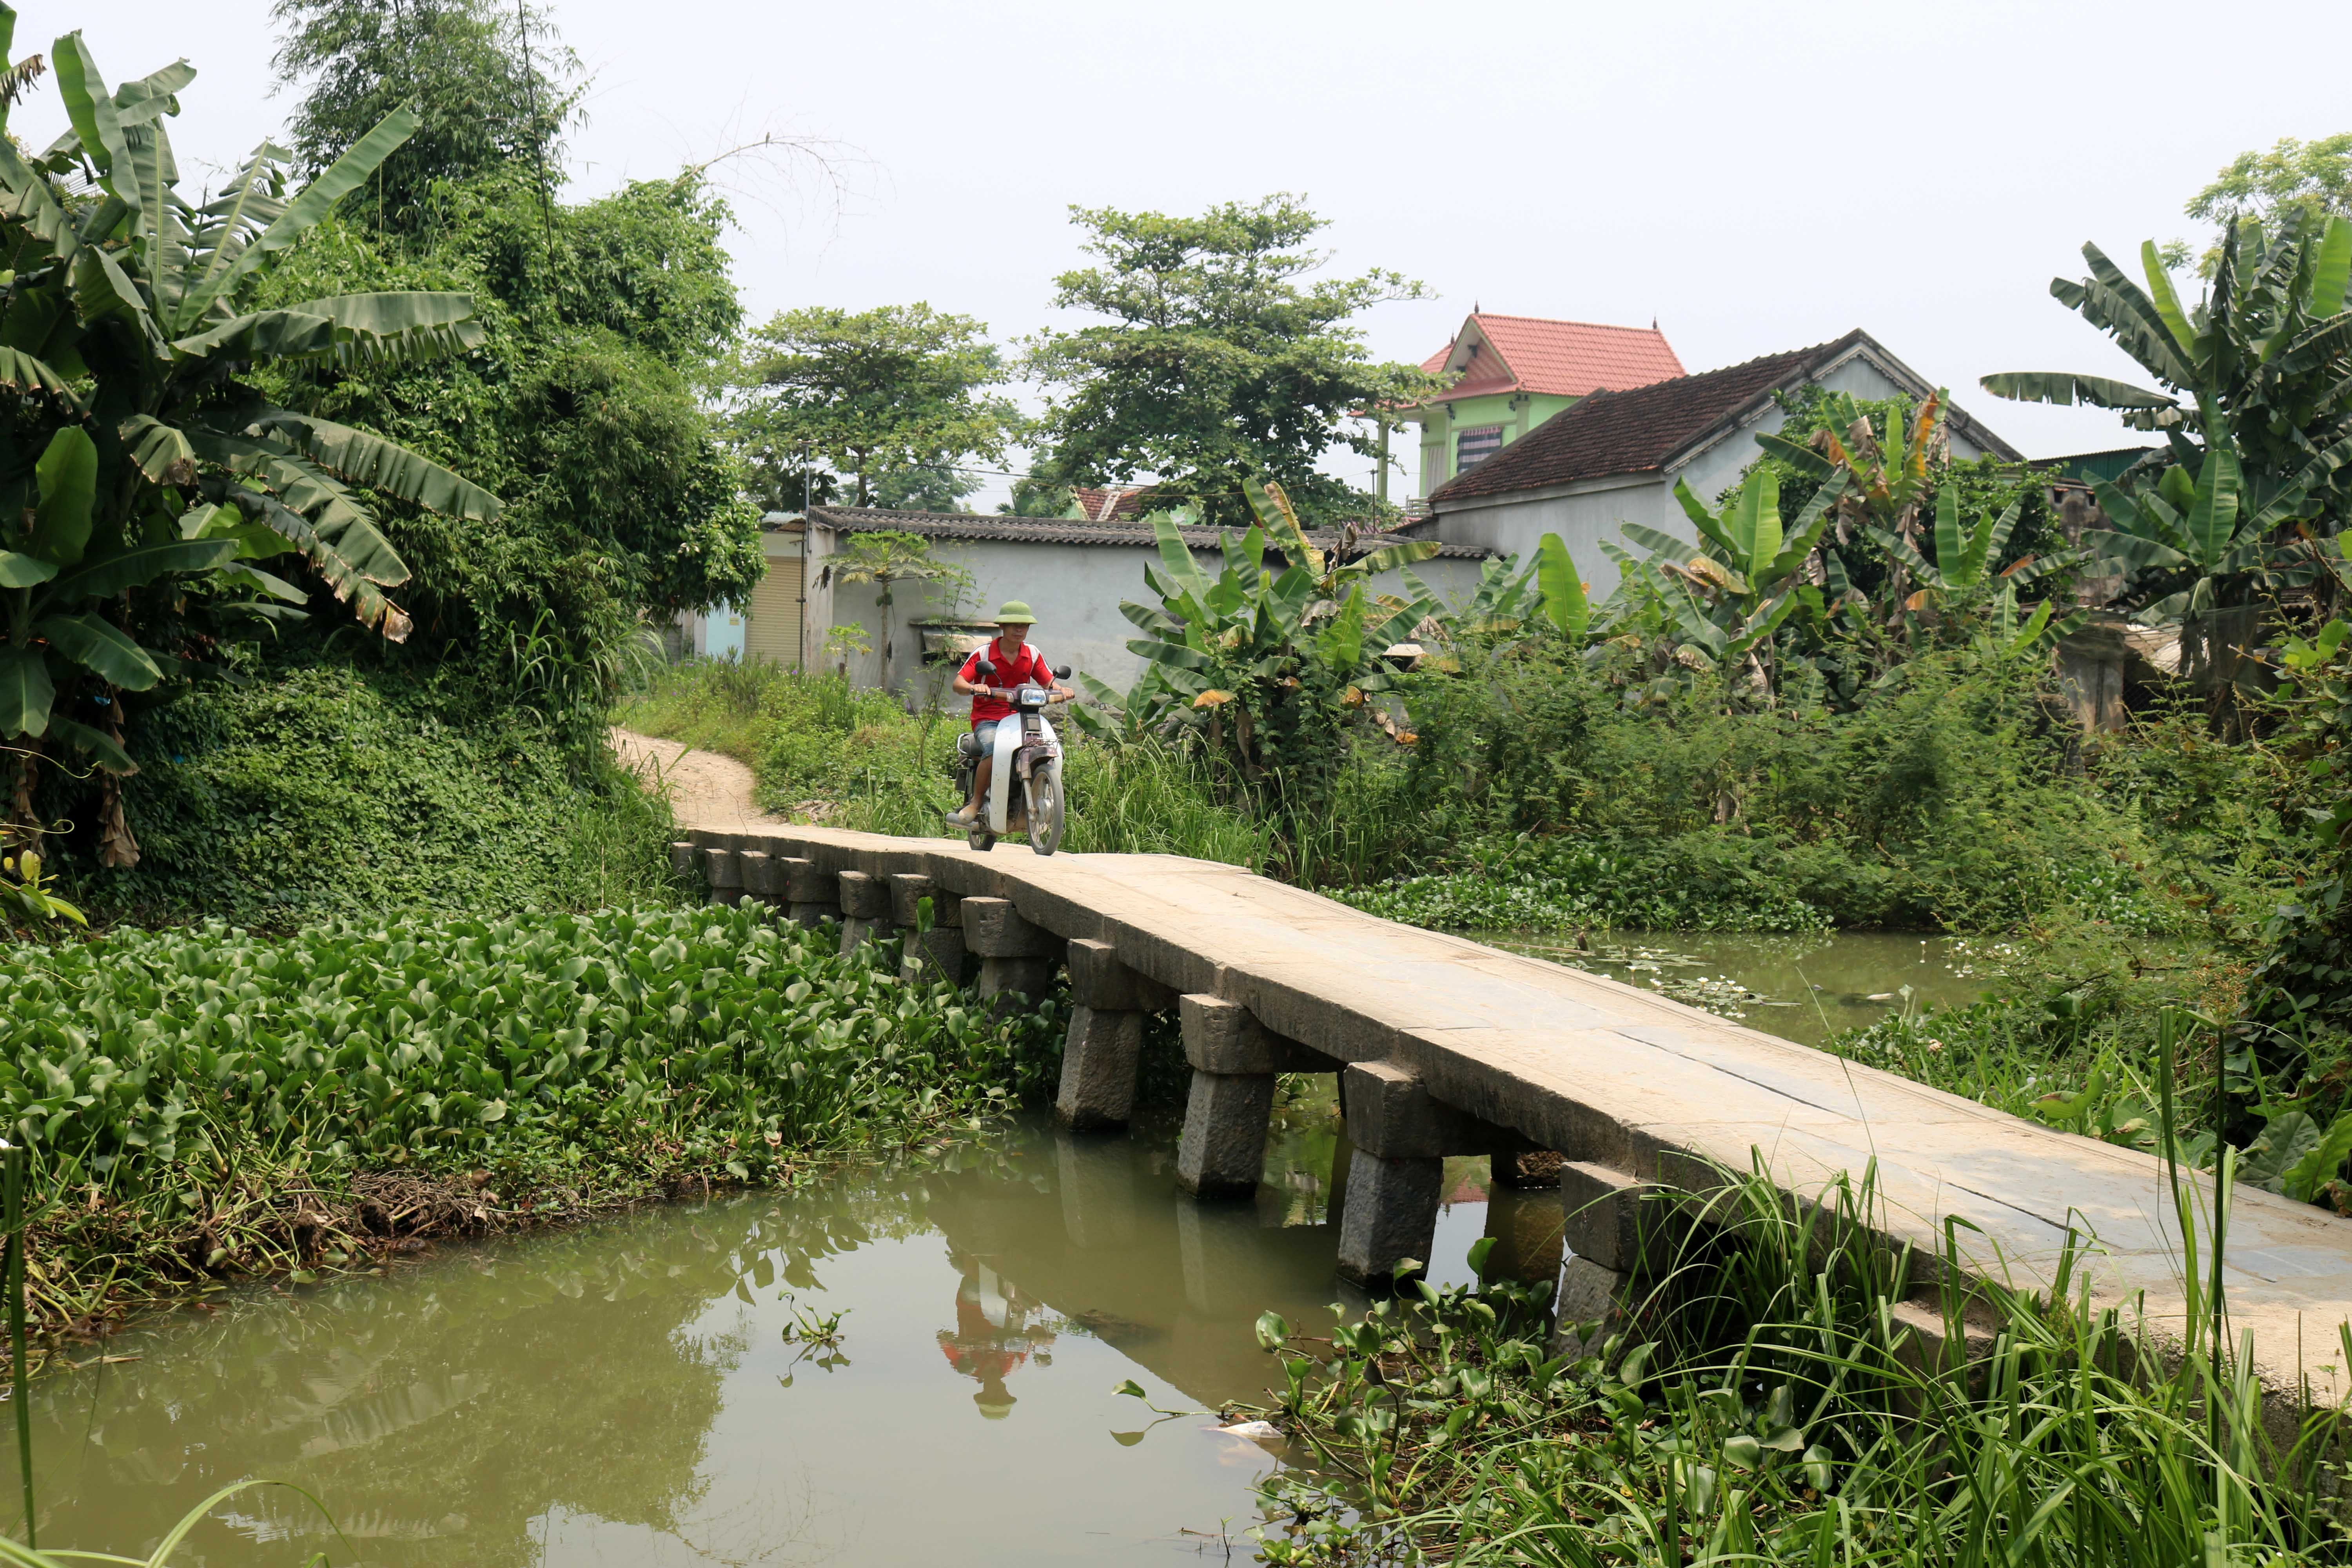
(1608, 1073)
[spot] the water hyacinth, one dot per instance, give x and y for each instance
(156, 1074)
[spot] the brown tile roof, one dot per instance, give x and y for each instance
(1109, 503)
(1649, 428)
(998, 527)
(1632, 432)
(1561, 359)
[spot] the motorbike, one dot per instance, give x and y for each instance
(1024, 786)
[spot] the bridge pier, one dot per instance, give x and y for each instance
(810, 898)
(1015, 955)
(865, 905)
(936, 954)
(1234, 1058)
(1396, 1177)
(724, 874)
(1106, 1038)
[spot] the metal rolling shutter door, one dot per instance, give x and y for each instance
(775, 634)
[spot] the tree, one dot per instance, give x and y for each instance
(489, 82)
(2309, 179)
(139, 467)
(928, 487)
(889, 557)
(878, 392)
(1216, 360)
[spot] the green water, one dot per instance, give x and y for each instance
(624, 1392)
(1801, 988)
(630, 1391)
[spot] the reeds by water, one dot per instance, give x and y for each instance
(1773, 1394)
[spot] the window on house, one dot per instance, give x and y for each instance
(1472, 447)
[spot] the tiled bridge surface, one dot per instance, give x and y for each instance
(1449, 1048)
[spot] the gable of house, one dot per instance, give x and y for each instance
(1510, 373)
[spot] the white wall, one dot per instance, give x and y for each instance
(1074, 589)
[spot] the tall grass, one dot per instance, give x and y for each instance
(1766, 1395)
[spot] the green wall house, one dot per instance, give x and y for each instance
(1512, 373)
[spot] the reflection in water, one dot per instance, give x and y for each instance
(997, 1329)
(627, 1389)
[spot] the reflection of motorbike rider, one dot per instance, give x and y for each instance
(992, 1336)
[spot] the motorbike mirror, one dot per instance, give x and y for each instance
(984, 668)
(1060, 672)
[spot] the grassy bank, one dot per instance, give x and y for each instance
(322, 791)
(1753, 1401)
(207, 1102)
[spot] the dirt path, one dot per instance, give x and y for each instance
(706, 790)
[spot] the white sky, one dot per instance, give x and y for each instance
(1756, 177)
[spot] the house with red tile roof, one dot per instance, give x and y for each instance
(1509, 374)
(1613, 457)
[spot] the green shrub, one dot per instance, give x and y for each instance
(324, 789)
(1953, 798)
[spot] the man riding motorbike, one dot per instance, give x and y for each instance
(1014, 664)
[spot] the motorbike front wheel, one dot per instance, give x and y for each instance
(1044, 790)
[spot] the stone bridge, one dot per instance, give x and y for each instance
(1444, 1046)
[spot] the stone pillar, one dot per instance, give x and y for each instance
(865, 905)
(725, 875)
(763, 876)
(685, 858)
(1402, 1134)
(936, 954)
(1605, 1243)
(1395, 1177)
(810, 896)
(1015, 957)
(1098, 1180)
(1106, 1038)
(1235, 1059)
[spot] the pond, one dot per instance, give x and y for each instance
(631, 1390)
(1801, 988)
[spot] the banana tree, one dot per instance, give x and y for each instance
(2261, 368)
(139, 459)
(1965, 555)
(1747, 576)
(2207, 552)
(1262, 664)
(1888, 474)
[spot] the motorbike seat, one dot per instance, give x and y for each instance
(968, 743)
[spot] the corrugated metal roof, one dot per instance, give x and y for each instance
(999, 528)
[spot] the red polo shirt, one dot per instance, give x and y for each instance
(1028, 669)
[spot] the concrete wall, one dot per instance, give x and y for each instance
(1589, 510)
(1074, 589)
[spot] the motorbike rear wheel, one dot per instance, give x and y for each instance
(1043, 791)
(981, 838)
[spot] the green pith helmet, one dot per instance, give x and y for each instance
(1013, 611)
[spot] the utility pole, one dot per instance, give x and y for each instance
(808, 487)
